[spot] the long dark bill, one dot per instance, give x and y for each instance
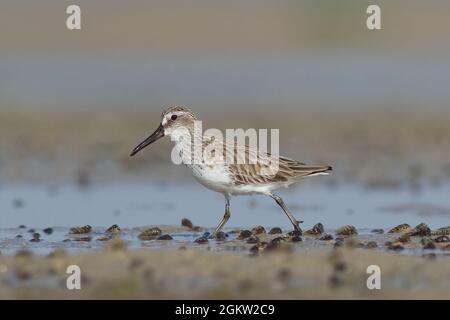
(158, 134)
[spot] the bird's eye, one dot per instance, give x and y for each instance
(174, 117)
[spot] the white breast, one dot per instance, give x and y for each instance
(214, 177)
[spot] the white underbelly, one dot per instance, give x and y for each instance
(213, 177)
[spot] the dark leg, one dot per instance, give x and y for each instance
(294, 222)
(225, 218)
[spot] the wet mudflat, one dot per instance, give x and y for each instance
(119, 272)
(84, 239)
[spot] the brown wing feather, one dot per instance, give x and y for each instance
(252, 173)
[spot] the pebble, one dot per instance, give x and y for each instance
(347, 230)
(317, 229)
(296, 238)
(371, 245)
(150, 234)
(36, 237)
(81, 230)
(428, 243)
(326, 237)
(275, 230)
(244, 234)
(258, 230)
(165, 237)
(113, 229)
(441, 239)
(404, 238)
(188, 224)
(421, 230)
(404, 227)
(379, 231)
(397, 246)
(201, 240)
(48, 231)
(252, 239)
(294, 233)
(220, 235)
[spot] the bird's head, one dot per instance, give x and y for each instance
(172, 119)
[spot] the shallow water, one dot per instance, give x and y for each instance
(135, 206)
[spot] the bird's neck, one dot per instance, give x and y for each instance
(188, 143)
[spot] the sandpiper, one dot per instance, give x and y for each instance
(228, 178)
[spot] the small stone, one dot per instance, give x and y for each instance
(371, 245)
(36, 237)
(379, 231)
(165, 237)
(252, 239)
(421, 230)
(428, 243)
(295, 233)
(326, 237)
(244, 234)
(275, 230)
(360, 245)
(397, 246)
(22, 226)
(81, 230)
(258, 230)
(48, 231)
(187, 223)
(201, 240)
(441, 239)
(113, 229)
(317, 229)
(404, 238)
(404, 227)
(220, 236)
(347, 230)
(150, 234)
(31, 230)
(19, 236)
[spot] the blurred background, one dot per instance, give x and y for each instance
(374, 104)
